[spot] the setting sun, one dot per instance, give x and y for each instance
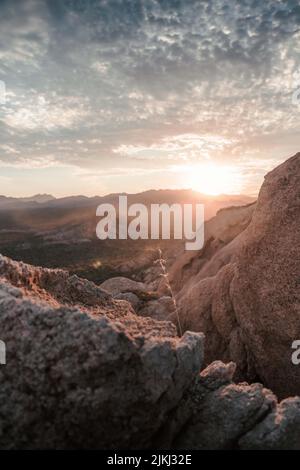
(213, 179)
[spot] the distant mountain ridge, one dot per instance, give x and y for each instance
(169, 196)
(14, 202)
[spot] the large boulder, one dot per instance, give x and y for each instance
(279, 430)
(249, 308)
(129, 297)
(118, 285)
(217, 414)
(85, 376)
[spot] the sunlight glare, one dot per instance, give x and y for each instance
(213, 179)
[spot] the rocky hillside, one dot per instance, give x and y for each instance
(84, 371)
(242, 290)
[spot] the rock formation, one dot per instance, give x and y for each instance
(95, 375)
(245, 295)
(80, 375)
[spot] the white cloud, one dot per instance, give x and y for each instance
(182, 146)
(100, 67)
(38, 113)
(9, 149)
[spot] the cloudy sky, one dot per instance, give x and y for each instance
(126, 95)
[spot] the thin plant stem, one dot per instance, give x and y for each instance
(162, 264)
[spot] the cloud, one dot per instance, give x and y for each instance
(24, 36)
(35, 112)
(181, 147)
(100, 83)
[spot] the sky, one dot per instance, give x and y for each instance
(106, 96)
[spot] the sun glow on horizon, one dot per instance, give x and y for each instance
(213, 179)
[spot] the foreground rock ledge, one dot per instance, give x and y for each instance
(91, 374)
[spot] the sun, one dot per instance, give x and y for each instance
(213, 179)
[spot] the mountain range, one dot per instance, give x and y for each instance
(42, 201)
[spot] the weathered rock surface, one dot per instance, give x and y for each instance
(75, 381)
(160, 309)
(99, 376)
(217, 414)
(53, 285)
(246, 297)
(220, 233)
(129, 297)
(118, 285)
(280, 429)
